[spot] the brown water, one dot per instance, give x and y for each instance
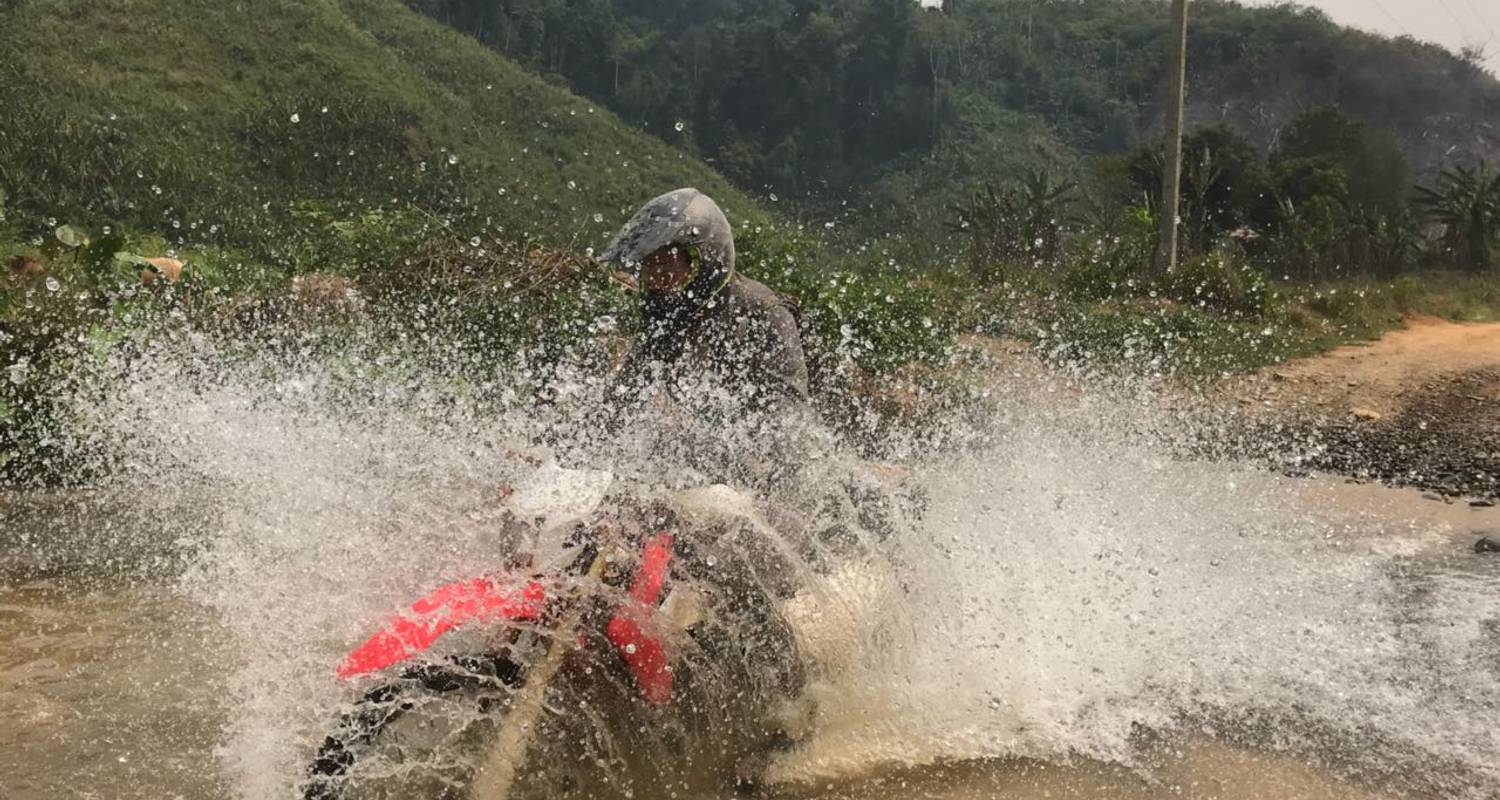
(1203, 770)
(114, 690)
(115, 687)
(110, 689)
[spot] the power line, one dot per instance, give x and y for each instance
(1390, 16)
(1483, 20)
(1456, 20)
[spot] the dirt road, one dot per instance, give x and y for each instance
(1406, 367)
(1419, 406)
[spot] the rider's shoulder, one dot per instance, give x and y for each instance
(752, 295)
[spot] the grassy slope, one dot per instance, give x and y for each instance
(109, 100)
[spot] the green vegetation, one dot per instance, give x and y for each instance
(1467, 203)
(324, 135)
(880, 112)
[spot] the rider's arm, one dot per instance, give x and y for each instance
(629, 388)
(784, 362)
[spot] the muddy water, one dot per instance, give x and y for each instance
(1204, 770)
(111, 689)
(115, 687)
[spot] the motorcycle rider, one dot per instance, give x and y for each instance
(722, 345)
(701, 319)
(729, 349)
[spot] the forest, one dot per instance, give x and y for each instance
(1310, 139)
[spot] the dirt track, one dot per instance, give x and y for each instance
(1420, 406)
(1384, 377)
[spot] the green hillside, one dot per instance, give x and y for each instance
(896, 110)
(304, 131)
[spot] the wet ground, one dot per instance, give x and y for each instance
(114, 686)
(112, 691)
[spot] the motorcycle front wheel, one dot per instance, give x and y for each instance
(418, 736)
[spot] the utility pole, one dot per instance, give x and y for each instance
(1171, 190)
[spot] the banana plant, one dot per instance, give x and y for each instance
(1466, 201)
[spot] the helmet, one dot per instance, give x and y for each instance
(685, 218)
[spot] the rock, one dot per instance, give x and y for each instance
(24, 265)
(168, 270)
(1485, 503)
(1431, 496)
(1486, 545)
(1281, 376)
(1366, 414)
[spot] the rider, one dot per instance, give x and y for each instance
(702, 320)
(729, 347)
(722, 345)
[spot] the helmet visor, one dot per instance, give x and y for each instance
(669, 269)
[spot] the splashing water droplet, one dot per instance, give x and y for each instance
(680, 126)
(296, 118)
(598, 217)
(53, 285)
(474, 241)
(452, 159)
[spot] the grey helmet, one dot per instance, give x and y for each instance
(687, 218)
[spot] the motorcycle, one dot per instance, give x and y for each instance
(628, 638)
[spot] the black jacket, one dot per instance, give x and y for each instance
(740, 354)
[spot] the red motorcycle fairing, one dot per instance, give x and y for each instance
(486, 598)
(502, 599)
(645, 654)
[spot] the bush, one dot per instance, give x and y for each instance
(858, 308)
(1221, 280)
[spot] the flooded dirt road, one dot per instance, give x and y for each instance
(117, 686)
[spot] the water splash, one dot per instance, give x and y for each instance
(1074, 589)
(1078, 593)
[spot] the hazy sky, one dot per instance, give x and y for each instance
(1453, 23)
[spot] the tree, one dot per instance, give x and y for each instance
(1224, 184)
(1024, 222)
(1326, 151)
(1466, 201)
(624, 46)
